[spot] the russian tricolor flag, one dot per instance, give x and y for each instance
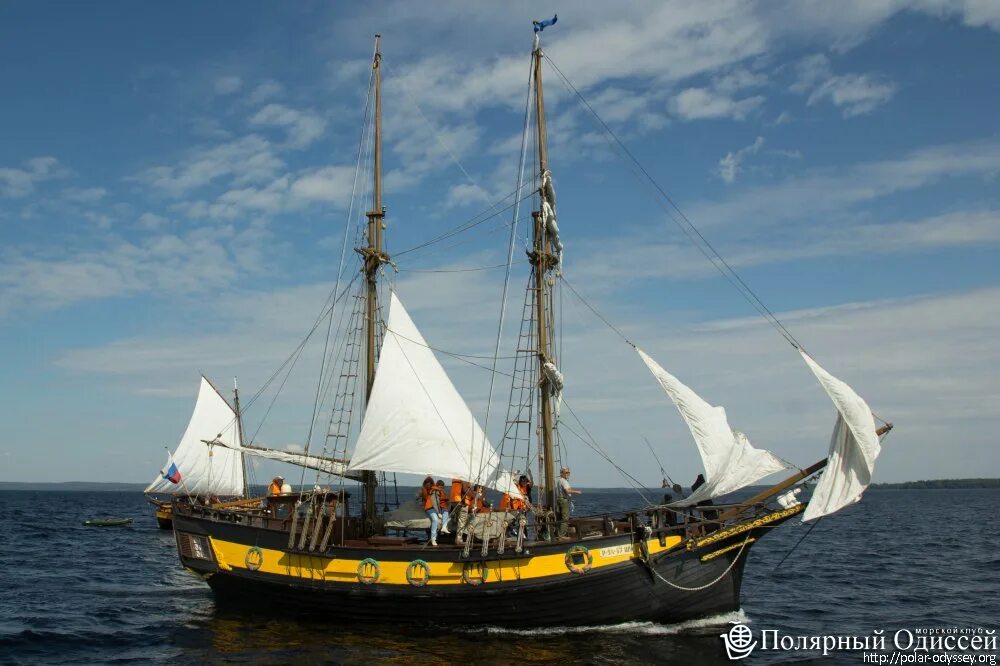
(170, 472)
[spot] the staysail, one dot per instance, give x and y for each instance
(325, 465)
(416, 421)
(854, 447)
(731, 462)
(206, 470)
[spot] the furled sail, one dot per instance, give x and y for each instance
(854, 447)
(205, 470)
(731, 462)
(416, 422)
(326, 465)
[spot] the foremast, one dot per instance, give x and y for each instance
(373, 257)
(543, 261)
(239, 436)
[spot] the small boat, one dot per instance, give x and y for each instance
(107, 522)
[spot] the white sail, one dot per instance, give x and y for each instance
(325, 465)
(854, 447)
(731, 462)
(207, 470)
(416, 421)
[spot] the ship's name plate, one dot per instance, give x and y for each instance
(615, 551)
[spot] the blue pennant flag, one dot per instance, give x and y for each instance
(542, 25)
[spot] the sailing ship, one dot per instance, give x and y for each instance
(317, 552)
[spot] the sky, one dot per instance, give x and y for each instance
(175, 181)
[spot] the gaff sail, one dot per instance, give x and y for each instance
(416, 422)
(854, 447)
(730, 461)
(215, 470)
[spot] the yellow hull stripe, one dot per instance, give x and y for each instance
(233, 556)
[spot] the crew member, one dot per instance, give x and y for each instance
(275, 487)
(563, 493)
(428, 494)
(458, 490)
(442, 497)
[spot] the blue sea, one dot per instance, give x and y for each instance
(901, 559)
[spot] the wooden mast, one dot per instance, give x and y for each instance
(239, 435)
(542, 261)
(374, 257)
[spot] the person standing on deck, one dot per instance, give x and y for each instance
(275, 487)
(428, 494)
(564, 491)
(442, 498)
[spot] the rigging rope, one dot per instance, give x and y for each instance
(686, 226)
(706, 585)
(510, 260)
(340, 271)
(471, 223)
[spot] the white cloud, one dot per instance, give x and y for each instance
(856, 94)
(702, 103)
(731, 164)
(303, 127)
(245, 160)
(84, 195)
(819, 193)
(265, 91)
(197, 262)
(227, 85)
(151, 221)
(15, 183)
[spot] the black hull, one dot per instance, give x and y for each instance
(165, 523)
(612, 597)
(671, 586)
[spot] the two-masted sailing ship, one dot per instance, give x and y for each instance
(326, 550)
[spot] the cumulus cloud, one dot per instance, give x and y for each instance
(702, 103)
(20, 182)
(248, 159)
(303, 127)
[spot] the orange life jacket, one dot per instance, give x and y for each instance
(508, 503)
(442, 497)
(458, 490)
(274, 489)
(428, 496)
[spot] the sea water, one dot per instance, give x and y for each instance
(901, 559)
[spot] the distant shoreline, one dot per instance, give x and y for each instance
(935, 484)
(115, 486)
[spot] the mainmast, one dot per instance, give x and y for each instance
(374, 257)
(543, 260)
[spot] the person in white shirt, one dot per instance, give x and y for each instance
(563, 493)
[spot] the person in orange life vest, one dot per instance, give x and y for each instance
(458, 490)
(442, 497)
(428, 493)
(508, 503)
(275, 487)
(474, 499)
(524, 485)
